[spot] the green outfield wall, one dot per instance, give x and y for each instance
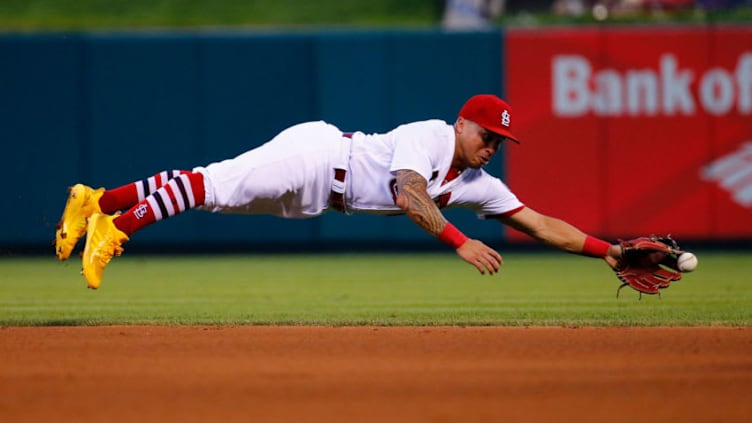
(110, 108)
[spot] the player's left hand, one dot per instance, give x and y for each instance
(483, 257)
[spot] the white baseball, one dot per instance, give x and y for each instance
(686, 262)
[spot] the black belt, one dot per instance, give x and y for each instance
(337, 198)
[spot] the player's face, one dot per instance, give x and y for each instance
(477, 145)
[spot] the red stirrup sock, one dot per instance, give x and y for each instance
(179, 194)
(127, 196)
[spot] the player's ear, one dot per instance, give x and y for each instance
(459, 124)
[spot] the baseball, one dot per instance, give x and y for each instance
(686, 262)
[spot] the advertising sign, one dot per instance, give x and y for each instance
(633, 131)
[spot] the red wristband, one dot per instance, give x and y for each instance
(452, 236)
(595, 247)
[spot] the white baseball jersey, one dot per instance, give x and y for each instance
(292, 175)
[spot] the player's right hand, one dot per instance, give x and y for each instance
(483, 257)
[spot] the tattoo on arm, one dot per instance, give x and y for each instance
(414, 199)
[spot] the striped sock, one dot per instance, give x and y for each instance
(179, 194)
(127, 196)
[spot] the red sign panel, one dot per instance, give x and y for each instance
(630, 131)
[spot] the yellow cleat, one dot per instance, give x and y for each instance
(82, 202)
(103, 240)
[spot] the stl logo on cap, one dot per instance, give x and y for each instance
(505, 118)
(485, 110)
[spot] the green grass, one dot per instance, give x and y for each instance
(406, 289)
(93, 14)
(25, 15)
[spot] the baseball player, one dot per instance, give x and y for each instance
(416, 169)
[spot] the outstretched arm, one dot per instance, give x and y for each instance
(413, 199)
(647, 264)
(560, 234)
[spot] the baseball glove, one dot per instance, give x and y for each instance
(648, 264)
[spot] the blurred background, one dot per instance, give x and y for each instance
(635, 116)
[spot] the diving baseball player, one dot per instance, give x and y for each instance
(416, 169)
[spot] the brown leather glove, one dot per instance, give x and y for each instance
(648, 264)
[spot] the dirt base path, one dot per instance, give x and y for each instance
(374, 374)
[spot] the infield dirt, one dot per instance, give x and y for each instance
(374, 374)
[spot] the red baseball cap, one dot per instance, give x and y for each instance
(490, 112)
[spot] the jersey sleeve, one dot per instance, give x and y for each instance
(486, 195)
(413, 150)
(499, 200)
